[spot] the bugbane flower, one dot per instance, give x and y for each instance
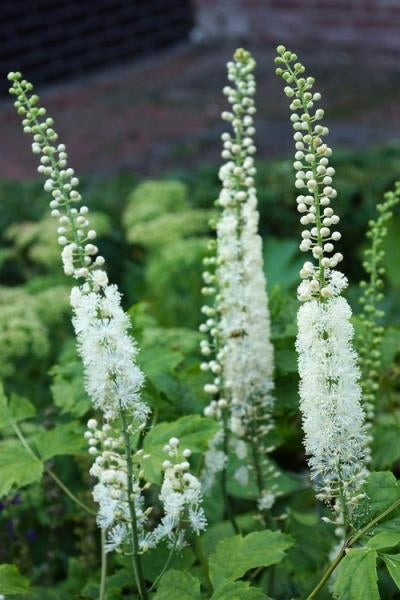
(113, 380)
(181, 498)
(371, 331)
(330, 394)
(238, 351)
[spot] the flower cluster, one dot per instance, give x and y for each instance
(238, 348)
(371, 330)
(333, 419)
(181, 498)
(112, 378)
(314, 180)
(111, 492)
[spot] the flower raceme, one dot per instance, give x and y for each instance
(238, 351)
(113, 380)
(330, 394)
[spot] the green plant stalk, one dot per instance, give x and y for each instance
(136, 562)
(225, 495)
(166, 565)
(347, 545)
(49, 471)
(103, 576)
(134, 539)
(320, 243)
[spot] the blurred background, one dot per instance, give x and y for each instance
(136, 84)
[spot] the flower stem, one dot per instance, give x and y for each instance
(227, 500)
(347, 545)
(136, 562)
(103, 577)
(165, 567)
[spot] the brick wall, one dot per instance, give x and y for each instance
(370, 25)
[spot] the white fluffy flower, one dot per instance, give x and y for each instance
(67, 257)
(181, 498)
(239, 332)
(333, 419)
(112, 379)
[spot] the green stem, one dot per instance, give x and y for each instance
(347, 545)
(225, 495)
(49, 471)
(198, 551)
(103, 576)
(165, 567)
(134, 538)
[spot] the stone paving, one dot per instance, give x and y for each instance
(161, 114)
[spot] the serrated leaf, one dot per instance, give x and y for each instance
(12, 582)
(63, 439)
(239, 590)
(357, 577)
(17, 467)
(178, 584)
(381, 489)
(259, 549)
(385, 539)
(193, 432)
(392, 562)
(17, 409)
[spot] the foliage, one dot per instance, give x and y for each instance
(156, 258)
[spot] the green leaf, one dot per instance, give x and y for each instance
(63, 439)
(237, 555)
(12, 582)
(282, 262)
(17, 467)
(193, 432)
(381, 489)
(178, 584)
(392, 562)
(154, 561)
(18, 409)
(386, 442)
(390, 347)
(239, 590)
(67, 387)
(357, 576)
(385, 539)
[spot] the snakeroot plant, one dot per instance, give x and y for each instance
(238, 351)
(190, 505)
(371, 329)
(330, 393)
(113, 380)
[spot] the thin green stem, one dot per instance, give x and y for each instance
(165, 567)
(198, 551)
(103, 576)
(68, 491)
(134, 538)
(225, 495)
(347, 545)
(49, 471)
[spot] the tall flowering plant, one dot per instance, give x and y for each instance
(330, 393)
(238, 350)
(113, 380)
